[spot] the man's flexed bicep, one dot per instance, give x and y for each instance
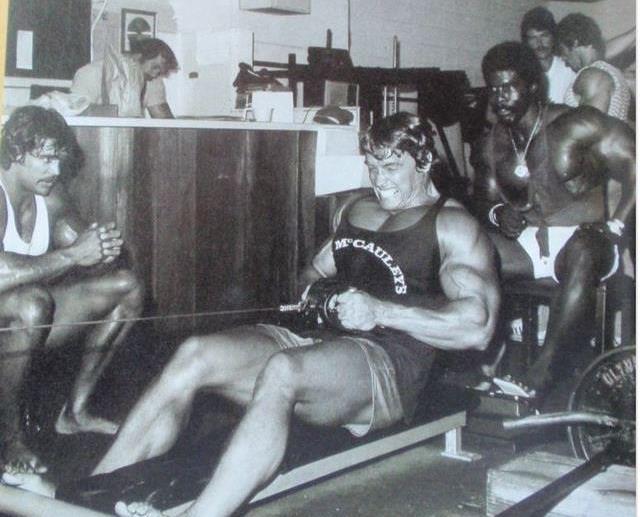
(617, 151)
(468, 275)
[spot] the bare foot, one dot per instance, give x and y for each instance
(136, 510)
(68, 423)
(18, 458)
(30, 482)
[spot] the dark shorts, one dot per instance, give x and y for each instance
(385, 398)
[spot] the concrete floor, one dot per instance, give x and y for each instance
(415, 482)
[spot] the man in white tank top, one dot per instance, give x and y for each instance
(597, 83)
(53, 272)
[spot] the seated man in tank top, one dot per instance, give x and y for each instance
(597, 83)
(417, 275)
(52, 273)
(540, 176)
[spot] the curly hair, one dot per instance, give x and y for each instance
(27, 130)
(577, 27)
(516, 56)
(401, 132)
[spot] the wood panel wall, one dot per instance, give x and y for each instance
(214, 219)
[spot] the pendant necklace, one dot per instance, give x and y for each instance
(522, 169)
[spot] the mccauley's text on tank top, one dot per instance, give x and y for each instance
(383, 256)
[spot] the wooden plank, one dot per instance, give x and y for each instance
(214, 219)
(609, 493)
(222, 212)
(170, 157)
(18, 502)
(351, 457)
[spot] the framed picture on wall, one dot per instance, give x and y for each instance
(136, 25)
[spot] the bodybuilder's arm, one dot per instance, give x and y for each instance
(586, 142)
(594, 88)
(465, 317)
(485, 187)
(489, 207)
(74, 246)
(323, 264)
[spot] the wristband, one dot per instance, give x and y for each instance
(492, 214)
(616, 226)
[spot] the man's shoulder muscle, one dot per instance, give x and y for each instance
(455, 224)
(592, 78)
(57, 203)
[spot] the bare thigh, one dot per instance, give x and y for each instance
(333, 383)
(81, 301)
(226, 362)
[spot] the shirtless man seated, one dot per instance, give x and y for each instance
(540, 178)
(53, 272)
(418, 275)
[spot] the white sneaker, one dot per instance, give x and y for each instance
(511, 387)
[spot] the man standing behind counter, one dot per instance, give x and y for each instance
(153, 58)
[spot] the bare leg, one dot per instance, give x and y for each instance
(327, 384)
(26, 307)
(228, 362)
(113, 297)
(580, 267)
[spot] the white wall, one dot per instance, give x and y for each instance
(613, 16)
(451, 34)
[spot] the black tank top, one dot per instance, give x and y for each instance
(400, 266)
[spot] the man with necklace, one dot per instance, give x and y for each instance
(540, 183)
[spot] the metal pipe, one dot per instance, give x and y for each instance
(396, 66)
(385, 92)
(562, 417)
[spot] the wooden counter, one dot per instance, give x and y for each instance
(217, 215)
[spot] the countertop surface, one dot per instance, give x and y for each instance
(199, 123)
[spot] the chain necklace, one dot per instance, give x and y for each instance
(522, 169)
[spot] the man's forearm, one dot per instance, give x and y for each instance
(17, 270)
(626, 203)
(453, 325)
